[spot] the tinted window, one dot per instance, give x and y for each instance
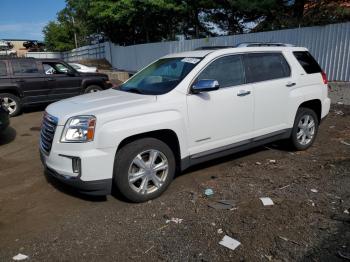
(308, 62)
(3, 70)
(24, 67)
(265, 66)
(55, 68)
(228, 71)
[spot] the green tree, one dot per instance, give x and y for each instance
(58, 37)
(128, 22)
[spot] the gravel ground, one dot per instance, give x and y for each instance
(49, 222)
(340, 92)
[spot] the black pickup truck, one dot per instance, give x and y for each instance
(29, 81)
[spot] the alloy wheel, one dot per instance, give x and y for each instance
(148, 171)
(306, 129)
(9, 104)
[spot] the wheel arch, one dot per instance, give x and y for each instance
(167, 136)
(92, 82)
(314, 105)
(10, 90)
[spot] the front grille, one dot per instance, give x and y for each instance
(47, 133)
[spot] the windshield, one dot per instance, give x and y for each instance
(160, 77)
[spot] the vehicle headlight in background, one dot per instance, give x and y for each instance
(79, 129)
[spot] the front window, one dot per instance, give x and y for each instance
(53, 68)
(160, 77)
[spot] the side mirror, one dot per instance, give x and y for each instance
(205, 85)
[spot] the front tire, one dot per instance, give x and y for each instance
(12, 103)
(93, 89)
(143, 169)
(305, 129)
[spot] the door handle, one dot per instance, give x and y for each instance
(290, 84)
(243, 93)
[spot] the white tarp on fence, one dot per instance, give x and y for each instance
(329, 44)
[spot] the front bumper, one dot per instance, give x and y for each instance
(97, 187)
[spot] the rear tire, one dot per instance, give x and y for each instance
(143, 169)
(93, 89)
(12, 103)
(305, 129)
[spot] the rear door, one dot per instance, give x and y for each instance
(63, 81)
(270, 76)
(30, 80)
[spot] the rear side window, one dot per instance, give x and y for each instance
(228, 71)
(307, 62)
(265, 66)
(3, 70)
(20, 67)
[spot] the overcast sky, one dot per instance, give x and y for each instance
(25, 19)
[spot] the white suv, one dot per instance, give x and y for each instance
(181, 110)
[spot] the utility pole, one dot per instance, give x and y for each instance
(75, 34)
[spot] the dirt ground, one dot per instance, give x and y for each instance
(49, 222)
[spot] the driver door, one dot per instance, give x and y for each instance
(223, 117)
(61, 83)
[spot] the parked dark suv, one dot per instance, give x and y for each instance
(28, 81)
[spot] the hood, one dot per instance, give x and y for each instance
(109, 103)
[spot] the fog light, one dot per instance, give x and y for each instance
(76, 165)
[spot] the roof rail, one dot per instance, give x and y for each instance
(257, 44)
(214, 47)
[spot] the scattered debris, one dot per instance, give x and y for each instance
(269, 258)
(258, 163)
(20, 257)
(209, 192)
(266, 201)
(313, 190)
(284, 187)
(194, 197)
(229, 242)
(175, 220)
(272, 161)
(149, 249)
(283, 238)
(222, 204)
(344, 143)
(346, 211)
(312, 202)
(344, 255)
(35, 128)
(213, 177)
(339, 112)
(288, 240)
(331, 127)
(220, 231)
(340, 103)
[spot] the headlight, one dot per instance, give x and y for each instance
(79, 129)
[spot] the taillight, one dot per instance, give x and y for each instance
(324, 78)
